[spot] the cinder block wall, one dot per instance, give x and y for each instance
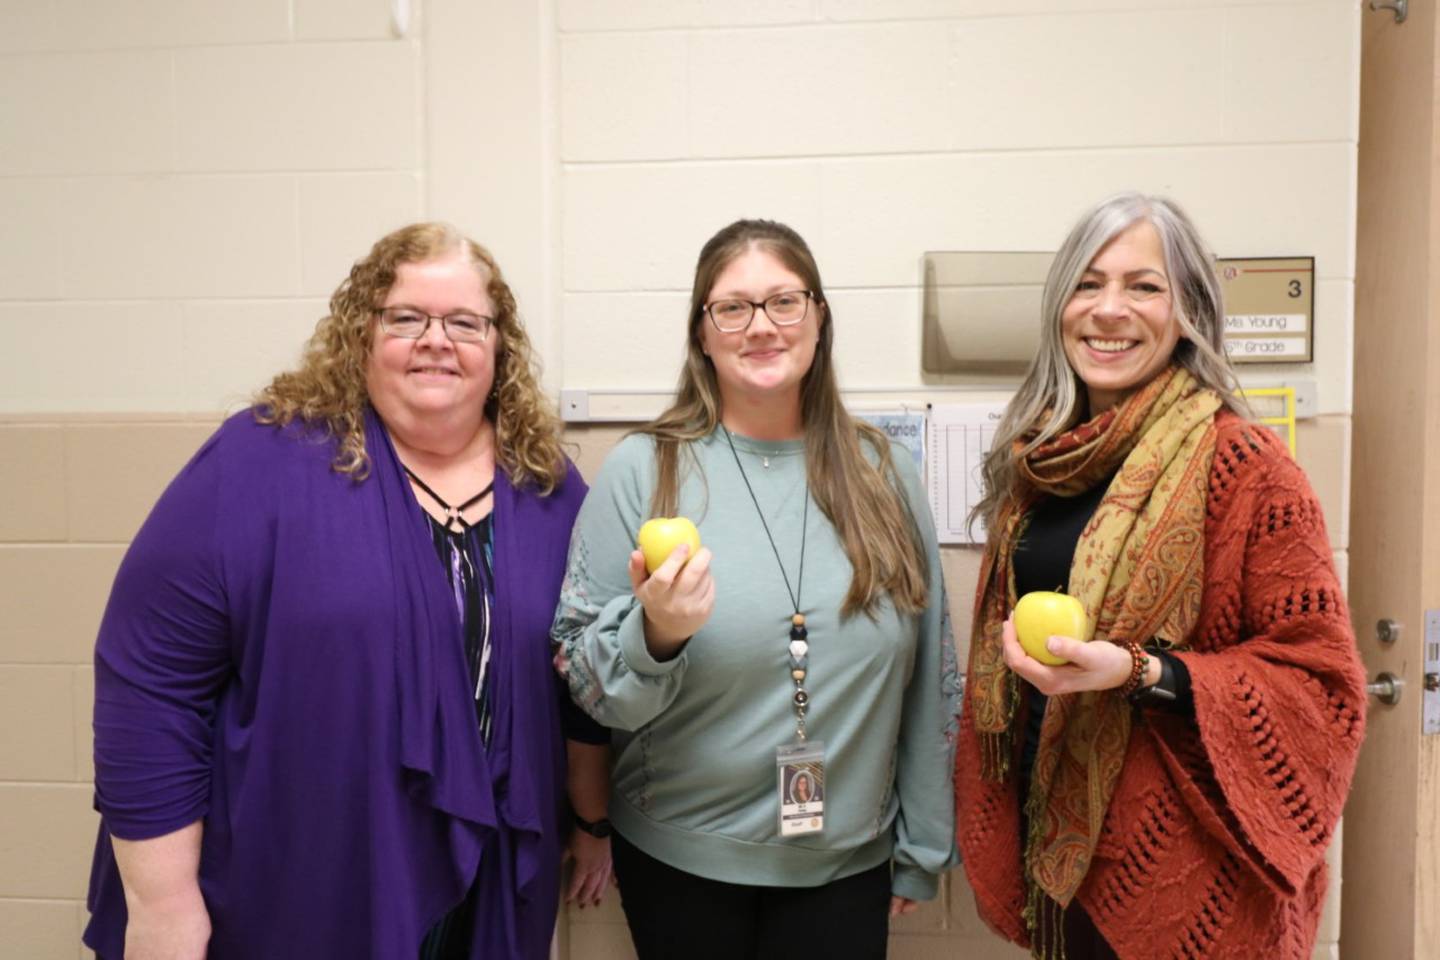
(185, 183)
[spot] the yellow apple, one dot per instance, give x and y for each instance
(1041, 615)
(659, 537)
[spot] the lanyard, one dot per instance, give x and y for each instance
(799, 647)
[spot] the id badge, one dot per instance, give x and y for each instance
(801, 782)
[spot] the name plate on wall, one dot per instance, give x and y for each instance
(1269, 309)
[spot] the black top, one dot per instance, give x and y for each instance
(469, 560)
(1042, 562)
(468, 556)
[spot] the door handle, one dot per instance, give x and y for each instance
(1386, 687)
(1400, 7)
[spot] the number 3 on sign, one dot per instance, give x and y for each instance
(1295, 289)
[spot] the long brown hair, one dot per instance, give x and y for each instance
(858, 494)
(328, 389)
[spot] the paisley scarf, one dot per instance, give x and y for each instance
(1137, 570)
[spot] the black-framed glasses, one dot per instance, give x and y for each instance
(783, 309)
(411, 324)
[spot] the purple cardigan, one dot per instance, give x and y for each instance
(281, 657)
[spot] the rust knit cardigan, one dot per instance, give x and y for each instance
(1213, 844)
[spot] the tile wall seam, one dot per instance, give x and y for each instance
(835, 23)
(950, 153)
(55, 543)
(65, 480)
(422, 65)
(174, 91)
(296, 208)
(212, 173)
(711, 160)
(48, 664)
(135, 47)
(82, 717)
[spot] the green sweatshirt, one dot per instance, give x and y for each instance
(694, 781)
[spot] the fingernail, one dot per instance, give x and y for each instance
(1053, 644)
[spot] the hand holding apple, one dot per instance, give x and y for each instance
(1079, 664)
(1040, 615)
(659, 537)
(678, 594)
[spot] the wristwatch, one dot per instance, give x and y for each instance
(1161, 691)
(599, 829)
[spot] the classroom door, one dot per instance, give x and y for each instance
(1391, 873)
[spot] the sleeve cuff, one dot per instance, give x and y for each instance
(634, 652)
(913, 883)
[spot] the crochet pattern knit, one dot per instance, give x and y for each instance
(1213, 843)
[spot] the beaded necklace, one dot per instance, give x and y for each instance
(799, 647)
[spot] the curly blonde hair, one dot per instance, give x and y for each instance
(329, 390)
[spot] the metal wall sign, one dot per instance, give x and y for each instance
(1269, 309)
(981, 313)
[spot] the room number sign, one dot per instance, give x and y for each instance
(1269, 309)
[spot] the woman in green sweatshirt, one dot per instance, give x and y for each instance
(784, 700)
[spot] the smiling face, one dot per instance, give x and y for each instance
(433, 384)
(763, 363)
(1119, 327)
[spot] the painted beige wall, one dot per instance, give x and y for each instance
(185, 182)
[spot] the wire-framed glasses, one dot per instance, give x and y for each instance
(411, 324)
(783, 309)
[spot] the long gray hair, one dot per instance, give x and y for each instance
(1052, 398)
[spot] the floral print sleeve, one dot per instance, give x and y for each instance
(598, 637)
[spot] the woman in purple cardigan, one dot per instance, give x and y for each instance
(326, 724)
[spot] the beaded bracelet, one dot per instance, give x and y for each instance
(1139, 660)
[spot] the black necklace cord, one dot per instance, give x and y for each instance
(804, 524)
(452, 514)
(798, 644)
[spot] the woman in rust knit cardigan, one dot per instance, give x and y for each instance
(1171, 789)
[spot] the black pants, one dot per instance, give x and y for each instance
(674, 914)
(1082, 940)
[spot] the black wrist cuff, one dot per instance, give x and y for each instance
(1163, 690)
(600, 829)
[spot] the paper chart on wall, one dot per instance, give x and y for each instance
(960, 436)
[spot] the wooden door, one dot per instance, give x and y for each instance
(1391, 874)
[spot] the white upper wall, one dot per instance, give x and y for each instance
(186, 181)
(881, 129)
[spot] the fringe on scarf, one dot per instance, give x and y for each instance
(1044, 917)
(997, 750)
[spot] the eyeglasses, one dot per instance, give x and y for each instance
(411, 324)
(783, 309)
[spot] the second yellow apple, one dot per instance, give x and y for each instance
(1042, 614)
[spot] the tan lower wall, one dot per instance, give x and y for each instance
(75, 489)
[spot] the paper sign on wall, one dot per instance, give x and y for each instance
(903, 426)
(960, 436)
